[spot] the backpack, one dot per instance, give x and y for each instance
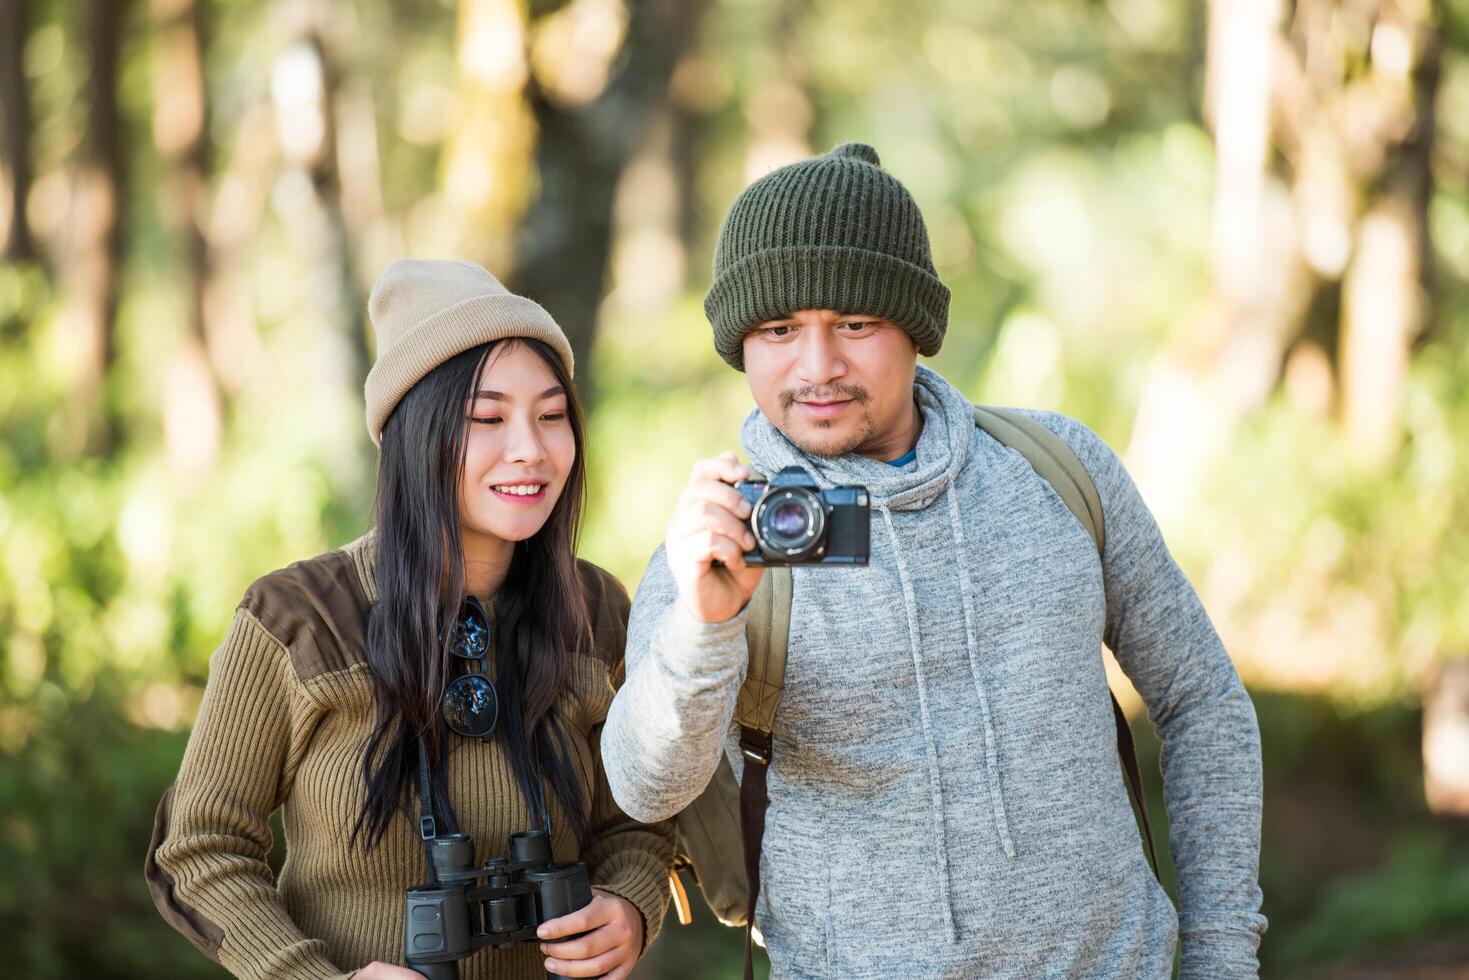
(720, 832)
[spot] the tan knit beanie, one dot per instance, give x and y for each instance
(425, 312)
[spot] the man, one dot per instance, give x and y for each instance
(945, 794)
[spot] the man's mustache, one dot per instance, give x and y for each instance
(823, 393)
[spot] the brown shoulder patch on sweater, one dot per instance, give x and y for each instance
(317, 610)
(609, 605)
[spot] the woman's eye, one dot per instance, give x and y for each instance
(486, 420)
(553, 416)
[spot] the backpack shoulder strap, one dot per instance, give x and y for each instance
(1052, 460)
(767, 634)
(1056, 463)
(767, 631)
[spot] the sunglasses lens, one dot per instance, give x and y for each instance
(470, 706)
(471, 635)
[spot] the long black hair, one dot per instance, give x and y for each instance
(539, 615)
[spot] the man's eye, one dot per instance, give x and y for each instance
(854, 326)
(777, 331)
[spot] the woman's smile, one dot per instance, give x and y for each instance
(520, 494)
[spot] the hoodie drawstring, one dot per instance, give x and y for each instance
(991, 753)
(935, 787)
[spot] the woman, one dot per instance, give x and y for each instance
(341, 672)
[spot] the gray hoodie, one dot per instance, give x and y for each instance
(945, 794)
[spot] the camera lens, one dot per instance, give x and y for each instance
(789, 523)
(471, 707)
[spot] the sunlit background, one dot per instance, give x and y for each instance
(1231, 237)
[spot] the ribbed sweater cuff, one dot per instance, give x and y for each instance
(641, 880)
(1219, 956)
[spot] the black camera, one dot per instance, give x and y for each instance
(795, 522)
(499, 904)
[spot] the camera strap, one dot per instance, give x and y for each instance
(427, 827)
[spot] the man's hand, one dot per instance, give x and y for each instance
(708, 526)
(612, 943)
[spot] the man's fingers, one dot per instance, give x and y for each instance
(748, 576)
(712, 517)
(714, 546)
(707, 530)
(714, 492)
(725, 468)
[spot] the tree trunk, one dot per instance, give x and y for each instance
(95, 237)
(487, 157)
(192, 410)
(687, 126)
(565, 238)
(337, 258)
(306, 93)
(106, 171)
(1385, 294)
(15, 117)
(1446, 739)
(1350, 112)
(1226, 363)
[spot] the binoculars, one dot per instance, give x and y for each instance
(497, 905)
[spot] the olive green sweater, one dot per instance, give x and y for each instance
(286, 715)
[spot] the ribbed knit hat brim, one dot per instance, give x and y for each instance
(417, 332)
(776, 282)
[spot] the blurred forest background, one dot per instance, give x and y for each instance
(1232, 237)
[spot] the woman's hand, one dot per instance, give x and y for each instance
(386, 971)
(612, 944)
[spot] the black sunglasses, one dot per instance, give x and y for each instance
(470, 705)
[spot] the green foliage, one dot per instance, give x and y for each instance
(116, 580)
(1361, 570)
(1421, 888)
(78, 800)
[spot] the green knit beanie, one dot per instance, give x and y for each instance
(835, 232)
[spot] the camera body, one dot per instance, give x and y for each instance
(499, 904)
(795, 522)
